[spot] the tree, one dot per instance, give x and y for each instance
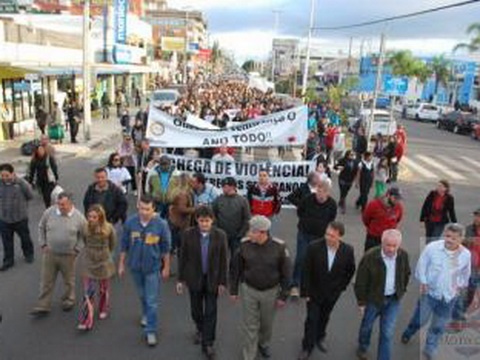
(248, 66)
(403, 63)
(474, 45)
(440, 67)
(216, 53)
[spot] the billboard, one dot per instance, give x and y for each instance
(172, 43)
(120, 21)
(8, 6)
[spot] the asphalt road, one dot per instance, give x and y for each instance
(119, 337)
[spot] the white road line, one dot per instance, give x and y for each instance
(418, 168)
(447, 171)
(470, 161)
(456, 164)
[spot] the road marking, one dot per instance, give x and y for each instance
(418, 168)
(440, 167)
(461, 165)
(471, 161)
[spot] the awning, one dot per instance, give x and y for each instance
(14, 72)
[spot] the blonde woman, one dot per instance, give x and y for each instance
(98, 266)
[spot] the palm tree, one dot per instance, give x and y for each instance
(440, 67)
(474, 44)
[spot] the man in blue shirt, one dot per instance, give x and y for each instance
(146, 239)
(443, 271)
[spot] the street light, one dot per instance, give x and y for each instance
(307, 58)
(87, 115)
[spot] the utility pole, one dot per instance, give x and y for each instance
(349, 64)
(185, 70)
(307, 58)
(87, 114)
(275, 30)
(378, 84)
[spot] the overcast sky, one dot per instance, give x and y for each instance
(246, 26)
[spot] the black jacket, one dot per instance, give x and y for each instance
(39, 169)
(297, 195)
(372, 273)
(190, 263)
(318, 283)
(448, 210)
(114, 203)
(349, 169)
(313, 217)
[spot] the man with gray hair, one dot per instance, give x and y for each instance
(61, 237)
(381, 282)
(260, 273)
(443, 271)
(315, 212)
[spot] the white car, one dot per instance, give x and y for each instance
(383, 122)
(166, 97)
(424, 111)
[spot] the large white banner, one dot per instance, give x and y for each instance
(287, 175)
(287, 127)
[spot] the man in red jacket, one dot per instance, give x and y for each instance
(382, 214)
(264, 198)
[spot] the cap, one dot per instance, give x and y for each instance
(164, 159)
(260, 223)
(395, 191)
(230, 181)
(477, 212)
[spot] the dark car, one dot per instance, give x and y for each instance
(458, 122)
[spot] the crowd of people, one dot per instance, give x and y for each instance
(223, 241)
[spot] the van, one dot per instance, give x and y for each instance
(165, 97)
(383, 122)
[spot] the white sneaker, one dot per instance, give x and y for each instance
(135, 192)
(294, 292)
(143, 321)
(151, 339)
(103, 315)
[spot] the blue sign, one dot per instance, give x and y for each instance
(395, 85)
(122, 55)
(120, 21)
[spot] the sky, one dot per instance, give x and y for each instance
(246, 27)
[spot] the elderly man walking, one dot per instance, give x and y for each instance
(61, 236)
(381, 282)
(443, 271)
(260, 272)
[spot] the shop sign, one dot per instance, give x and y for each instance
(120, 21)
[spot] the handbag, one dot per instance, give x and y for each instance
(50, 175)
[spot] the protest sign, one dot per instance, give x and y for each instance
(287, 175)
(287, 127)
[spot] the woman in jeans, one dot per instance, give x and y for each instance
(98, 267)
(44, 173)
(438, 210)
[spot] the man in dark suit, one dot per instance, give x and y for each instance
(329, 268)
(203, 267)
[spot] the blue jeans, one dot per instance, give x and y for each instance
(464, 301)
(388, 317)
(148, 287)
(303, 240)
(440, 313)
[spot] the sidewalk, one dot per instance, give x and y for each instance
(102, 132)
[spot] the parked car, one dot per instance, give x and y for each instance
(458, 122)
(165, 97)
(476, 131)
(424, 111)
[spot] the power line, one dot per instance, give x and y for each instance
(398, 17)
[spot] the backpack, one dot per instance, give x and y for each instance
(29, 147)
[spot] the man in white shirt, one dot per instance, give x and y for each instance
(443, 271)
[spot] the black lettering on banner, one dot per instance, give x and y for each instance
(253, 170)
(228, 169)
(276, 171)
(292, 116)
(287, 170)
(301, 171)
(219, 167)
(240, 185)
(207, 167)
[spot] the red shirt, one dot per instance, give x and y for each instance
(379, 217)
(330, 138)
(437, 208)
